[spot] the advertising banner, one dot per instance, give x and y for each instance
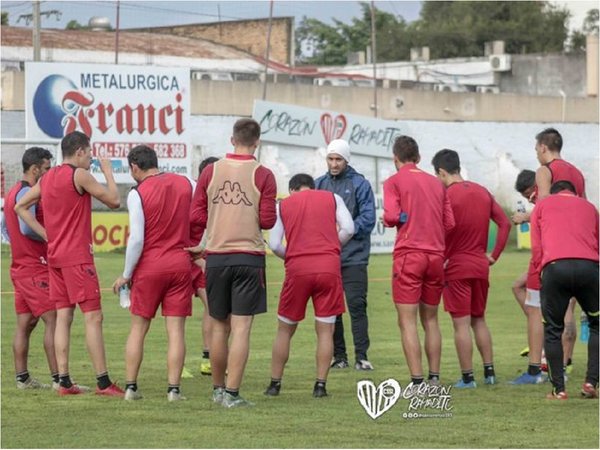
(117, 106)
(110, 230)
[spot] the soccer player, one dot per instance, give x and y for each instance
(564, 244)
(66, 192)
(416, 204)
(356, 191)
(315, 225)
(156, 265)
(29, 273)
(199, 286)
(233, 202)
(466, 269)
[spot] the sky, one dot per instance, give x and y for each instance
(137, 13)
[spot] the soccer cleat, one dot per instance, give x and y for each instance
(205, 368)
(569, 368)
(218, 394)
(273, 390)
(435, 381)
(319, 392)
(185, 373)
(557, 395)
(55, 385)
(32, 383)
(73, 390)
(229, 401)
(524, 352)
(462, 385)
(111, 391)
(491, 379)
(175, 396)
(363, 364)
(339, 363)
(589, 391)
(525, 378)
(131, 395)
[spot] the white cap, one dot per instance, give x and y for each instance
(339, 147)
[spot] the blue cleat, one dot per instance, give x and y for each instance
(525, 378)
(490, 379)
(462, 385)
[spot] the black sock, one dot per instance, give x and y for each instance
(534, 369)
(131, 385)
(416, 379)
(320, 384)
(205, 354)
(275, 382)
(173, 388)
(65, 380)
(467, 376)
(55, 378)
(103, 380)
(569, 362)
(433, 376)
(488, 370)
(23, 376)
(233, 392)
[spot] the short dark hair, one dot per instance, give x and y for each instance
(206, 162)
(525, 180)
(406, 149)
(246, 131)
(143, 156)
(301, 180)
(448, 160)
(551, 138)
(35, 156)
(73, 142)
(562, 185)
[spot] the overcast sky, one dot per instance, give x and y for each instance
(139, 13)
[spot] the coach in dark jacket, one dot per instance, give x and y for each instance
(358, 197)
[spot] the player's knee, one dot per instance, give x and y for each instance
(570, 332)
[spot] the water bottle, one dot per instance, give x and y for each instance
(521, 207)
(124, 299)
(584, 333)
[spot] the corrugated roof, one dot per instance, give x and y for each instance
(131, 42)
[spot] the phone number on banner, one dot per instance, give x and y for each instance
(122, 149)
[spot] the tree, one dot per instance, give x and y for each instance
(590, 23)
(4, 18)
(74, 25)
(577, 39)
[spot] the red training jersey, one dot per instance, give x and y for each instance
(563, 226)
(28, 255)
(416, 204)
(466, 244)
(67, 218)
(313, 245)
(166, 200)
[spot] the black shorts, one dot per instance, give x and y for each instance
(239, 290)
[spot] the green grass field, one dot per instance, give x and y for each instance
(489, 416)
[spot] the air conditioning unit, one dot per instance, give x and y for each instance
(500, 63)
(488, 89)
(449, 88)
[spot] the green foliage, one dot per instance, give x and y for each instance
(449, 29)
(590, 23)
(4, 18)
(74, 25)
(498, 416)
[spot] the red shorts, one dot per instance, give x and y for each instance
(75, 285)
(171, 290)
(32, 295)
(325, 289)
(198, 279)
(466, 297)
(418, 277)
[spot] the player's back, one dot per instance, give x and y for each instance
(166, 200)
(67, 218)
(309, 220)
(28, 255)
(562, 170)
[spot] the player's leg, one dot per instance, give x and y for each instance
(324, 329)
(206, 333)
(134, 354)
(431, 295)
(239, 350)
(356, 282)
(457, 302)
(481, 332)
(569, 336)
(49, 318)
(433, 337)
(281, 352)
(175, 354)
(519, 290)
(411, 346)
(26, 323)
(62, 335)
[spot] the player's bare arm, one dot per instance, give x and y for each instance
(543, 181)
(109, 194)
(31, 198)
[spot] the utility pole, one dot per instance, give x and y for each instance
(37, 50)
(117, 33)
(374, 57)
(264, 96)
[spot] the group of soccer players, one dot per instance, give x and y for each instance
(206, 238)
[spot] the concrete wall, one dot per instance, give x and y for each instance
(237, 99)
(247, 35)
(546, 75)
